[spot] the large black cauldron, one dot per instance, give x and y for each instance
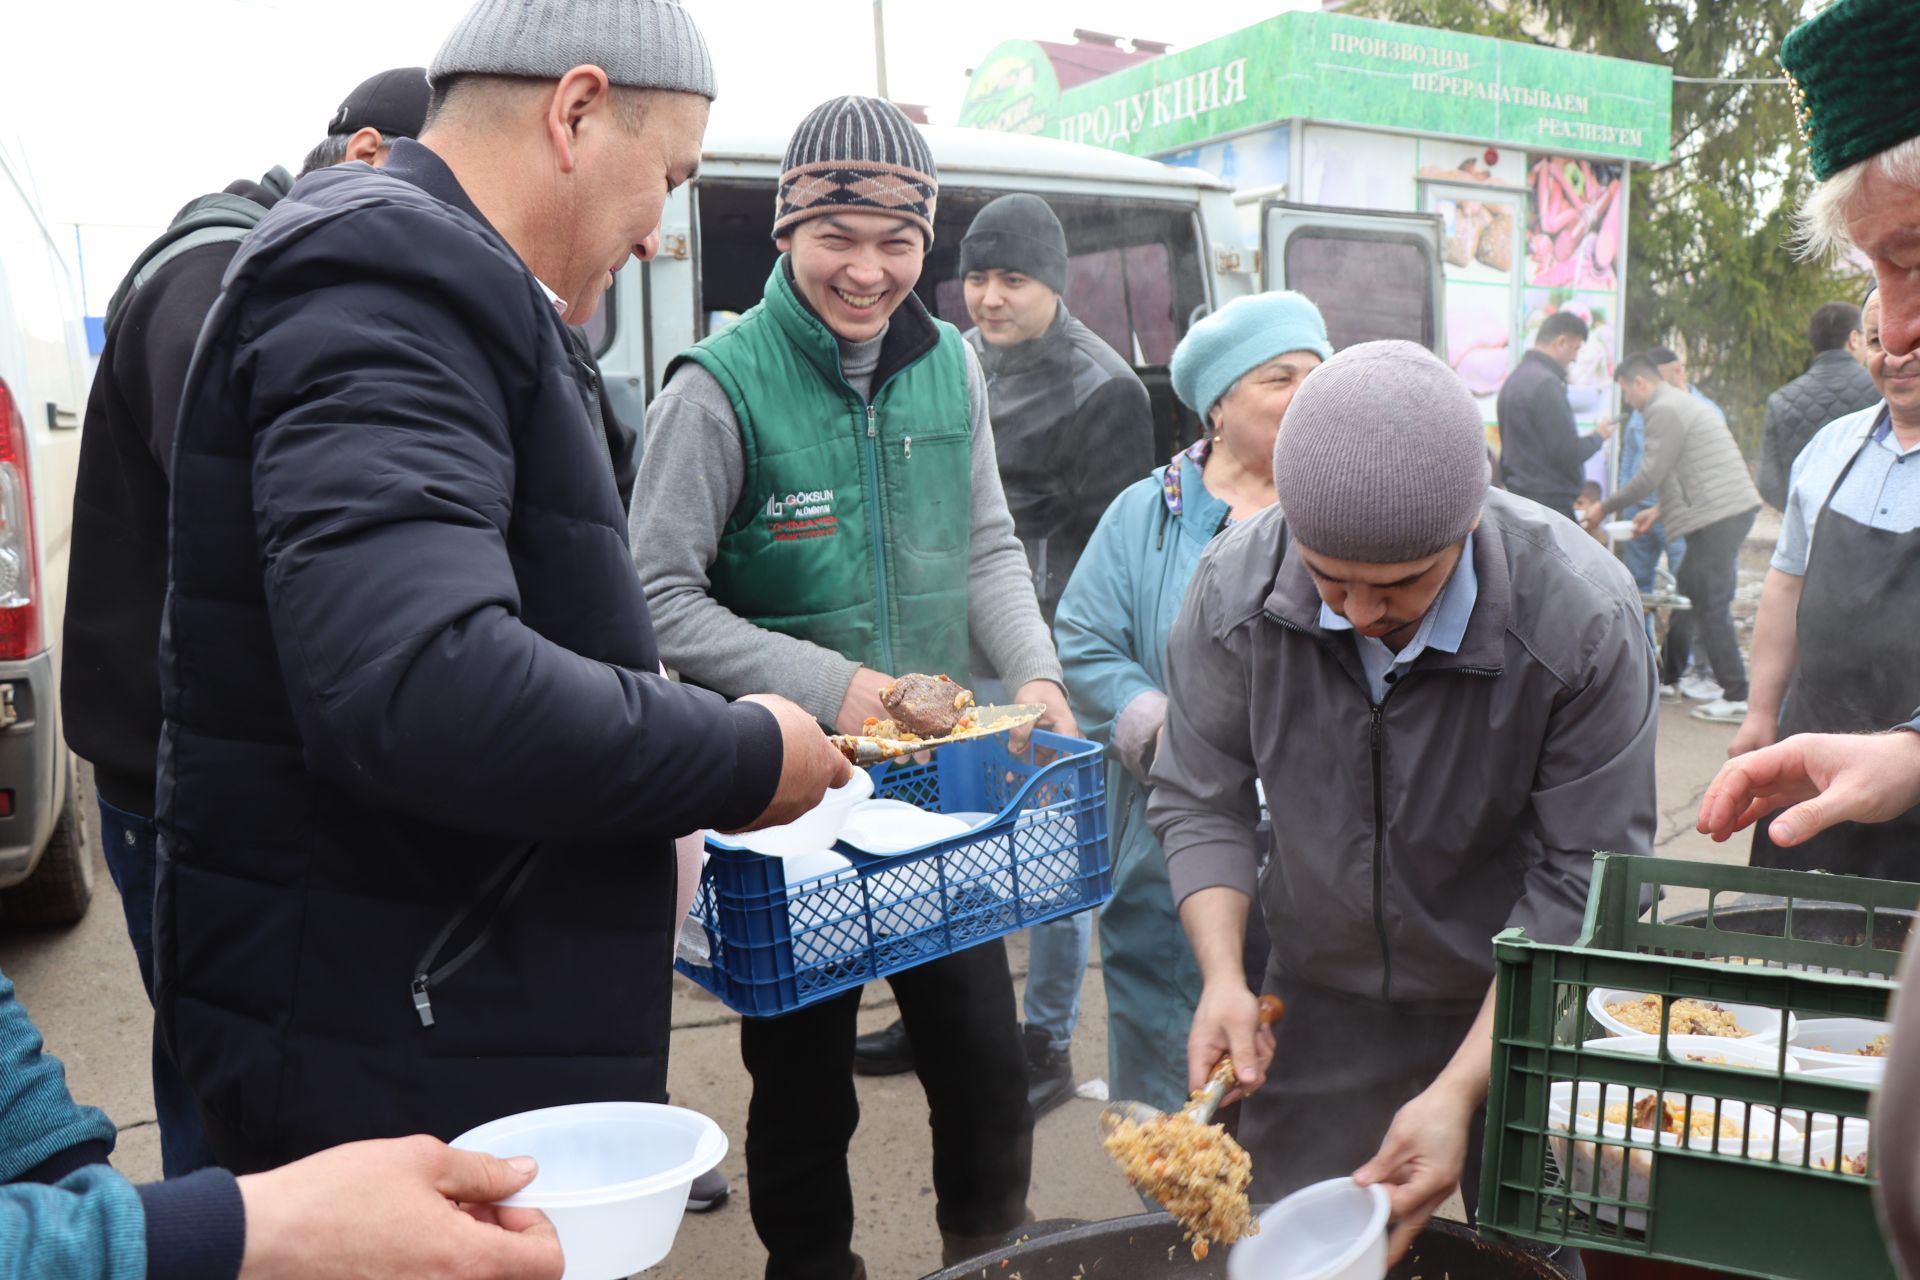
(1136, 1249)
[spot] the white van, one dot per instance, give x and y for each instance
(45, 875)
(1153, 248)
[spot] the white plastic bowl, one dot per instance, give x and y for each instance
(614, 1177)
(1822, 1145)
(1840, 1036)
(1738, 1053)
(1826, 1121)
(1619, 530)
(1763, 1022)
(1333, 1230)
(1566, 1106)
(1869, 1075)
(812, 831)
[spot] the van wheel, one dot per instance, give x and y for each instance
(61, 887)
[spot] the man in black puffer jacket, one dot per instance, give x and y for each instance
(1833, 386)
(419, 779)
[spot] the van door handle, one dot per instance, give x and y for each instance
(59, 419)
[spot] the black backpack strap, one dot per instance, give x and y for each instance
(215, 219)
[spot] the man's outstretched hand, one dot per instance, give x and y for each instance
(1824, 778)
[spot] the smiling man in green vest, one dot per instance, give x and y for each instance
(819, 510)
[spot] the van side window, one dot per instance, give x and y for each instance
(599, 326)
(1369, 285)
(1134, 275)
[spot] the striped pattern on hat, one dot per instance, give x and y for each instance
(640, 44)
(856, 155)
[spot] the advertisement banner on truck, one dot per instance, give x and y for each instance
(1332, 67)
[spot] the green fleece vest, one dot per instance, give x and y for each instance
(855, 520)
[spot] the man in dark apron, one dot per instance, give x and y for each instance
(1835, 643)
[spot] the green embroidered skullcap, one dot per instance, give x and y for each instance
(1843, 70)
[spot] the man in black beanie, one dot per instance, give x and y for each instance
(1072, 427)
(1071, 421)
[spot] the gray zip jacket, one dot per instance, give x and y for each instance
(1470, 799)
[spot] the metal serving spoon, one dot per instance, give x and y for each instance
(865, 749)
(1204, 1102)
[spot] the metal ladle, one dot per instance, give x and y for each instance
(1205, 1101)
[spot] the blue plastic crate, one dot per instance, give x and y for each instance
(774, 947)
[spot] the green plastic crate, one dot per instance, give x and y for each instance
(1750, 1205)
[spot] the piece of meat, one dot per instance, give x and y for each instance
(929, 706)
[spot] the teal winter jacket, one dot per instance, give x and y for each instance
(1112, 629)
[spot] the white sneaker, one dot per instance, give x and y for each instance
(1669, 693)
(1721, 711)
(1696, 688)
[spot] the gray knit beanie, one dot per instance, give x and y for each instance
(856, 155)
(1382, 456)
(640, 44)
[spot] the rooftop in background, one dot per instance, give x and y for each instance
(1094, 54)
(960, 150)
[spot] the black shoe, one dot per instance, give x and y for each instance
(709, 1192)
(886, 1052)
(1049, 1071)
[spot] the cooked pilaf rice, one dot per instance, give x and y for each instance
(1197, 1172)
(1689, 1018)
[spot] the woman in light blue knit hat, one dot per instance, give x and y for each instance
(1237, 369)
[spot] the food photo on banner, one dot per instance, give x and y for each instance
(1573, 223)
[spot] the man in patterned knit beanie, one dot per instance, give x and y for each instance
(1448, 695)
(819, 510)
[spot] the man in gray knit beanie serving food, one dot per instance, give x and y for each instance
(1450, 700)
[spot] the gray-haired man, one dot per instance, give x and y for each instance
(1466, 708)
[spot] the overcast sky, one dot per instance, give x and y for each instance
(126, 109)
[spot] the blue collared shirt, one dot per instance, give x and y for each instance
(1882, 491)
(1443, 627)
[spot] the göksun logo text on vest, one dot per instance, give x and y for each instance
(799, 516)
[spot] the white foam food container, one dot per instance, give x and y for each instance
(614, 1177)
(1858, 1141)
(816, 829)
(1831, 1042)
(1575, 1108)
(1332, 1230)
(1738, 1053)
(1763, 1023)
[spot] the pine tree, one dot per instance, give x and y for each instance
(1711, 268)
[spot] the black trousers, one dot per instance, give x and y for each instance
(1559, 502)
(1707, 576)
(959, 1015)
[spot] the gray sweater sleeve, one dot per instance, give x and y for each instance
(691, 475)
(1003, 613)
